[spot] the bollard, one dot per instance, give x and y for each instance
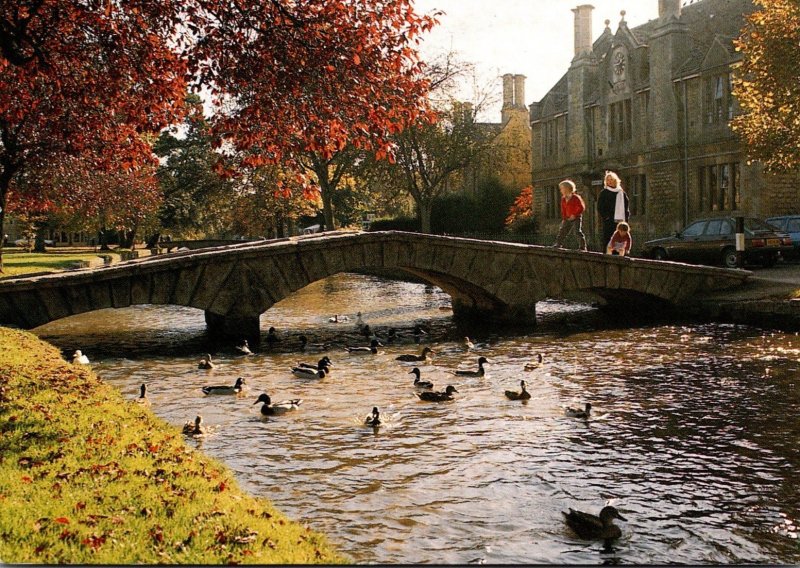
(739, 242)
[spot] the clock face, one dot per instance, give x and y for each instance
(619, 63)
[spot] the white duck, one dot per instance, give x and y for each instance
(78, 358)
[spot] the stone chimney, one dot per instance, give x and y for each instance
(669, 8)
(583, 29)
(519, 91)
(508, 90)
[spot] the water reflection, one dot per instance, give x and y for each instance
(693, 435)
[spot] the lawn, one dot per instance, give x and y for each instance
(17, 262)
(87, 477)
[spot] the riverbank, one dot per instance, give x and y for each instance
(87, 477)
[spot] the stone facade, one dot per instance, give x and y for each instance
(653, 103)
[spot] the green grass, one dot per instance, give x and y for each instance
(19, 262)
(87, 477)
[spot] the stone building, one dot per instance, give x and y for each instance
(653, 103)
(509, 160)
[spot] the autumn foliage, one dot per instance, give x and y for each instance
(767, 84)
(522, 209)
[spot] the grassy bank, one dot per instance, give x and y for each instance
(87, 477)
(20, 261)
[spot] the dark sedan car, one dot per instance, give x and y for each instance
(713, 241)
(789, 224)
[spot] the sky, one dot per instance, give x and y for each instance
(534, 38)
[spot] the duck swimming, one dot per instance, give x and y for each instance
(206, 363)
(306, 373)
(373, 348)
(196, 428)
(143, 396)
(574, 413)
(244, 348)
(468, 344)
(338, 319)
(272, 337)
(373, 419)
(437, 396)
(324, 363)
(533, 365)
(418, 334)
(270, 409)
(479, 373)
(593, 527)
(522, 395)
(78, 358)
(420, 384)
(421, 357)
(235, 389)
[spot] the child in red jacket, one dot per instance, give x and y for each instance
(572, 208)
(621, 241)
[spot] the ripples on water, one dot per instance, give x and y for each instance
(694, 436)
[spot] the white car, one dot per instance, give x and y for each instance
(25, 243)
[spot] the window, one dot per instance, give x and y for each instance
(552, 198)
(719, 187)
(714, 227)
(619, 121)
(793, 226)
(550, 138)
(695, 229)
(718, 99)
(636, 186)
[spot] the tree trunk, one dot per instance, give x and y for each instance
(327, 205)
(424, 209)
(104, 239)
(6, 175)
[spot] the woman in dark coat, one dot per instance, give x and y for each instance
(612, 206)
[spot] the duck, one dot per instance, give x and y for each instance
(272, 337)
(306, 373)
(479, 373)
(78, 358)
(594, 527)
(270, 409)
(574, 413)
(225, 389)
(420, 384)
(142, 396)
(306, 346)
(206, 362)
(338, 319)
(437, 396)
(418, 333)
(244, 348)
(373, 348)
(468, 344)
(522, 395)
(196, 428)
(421, 357)
(392, 336)
(324, 363)
(373, 419)
(359, 321)
(533, 365)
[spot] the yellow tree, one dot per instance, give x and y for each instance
(767, 84)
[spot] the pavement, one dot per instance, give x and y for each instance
(781, 282)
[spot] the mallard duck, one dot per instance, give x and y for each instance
(419, 333)
(235, 389)
(324, 363)
(272, 337)
(593, 527)
(143, 396)
(305, 346)
(206, 362)
(421, 357)
(574, 413)
(533, 365)
(196, 428)
(270, 409)
(78, 358)
(420, 384)
(374, 418)
(479, 373)
(468, 344)
(522, 395)
(437, 396)
(306, 373)
(244, 348)
(373, 348)
(338, 319)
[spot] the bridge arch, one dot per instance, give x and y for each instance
(234, 284)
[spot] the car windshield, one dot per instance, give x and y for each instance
(695, 229)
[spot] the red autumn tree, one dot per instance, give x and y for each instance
(522, 208)
(85, 79)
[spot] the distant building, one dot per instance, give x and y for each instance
(653, 103)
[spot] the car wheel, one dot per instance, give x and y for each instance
(729, 259)
(659, 254)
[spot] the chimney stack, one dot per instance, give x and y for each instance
(519, 91)
(583, 29)
(508, 90)
(669, 8)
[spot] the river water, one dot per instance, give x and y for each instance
(694, 434)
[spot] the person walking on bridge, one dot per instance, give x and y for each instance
(572, 208)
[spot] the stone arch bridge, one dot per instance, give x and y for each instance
(234, 284)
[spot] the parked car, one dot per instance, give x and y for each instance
(789, 224)
(26, 242)
(713, 241)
